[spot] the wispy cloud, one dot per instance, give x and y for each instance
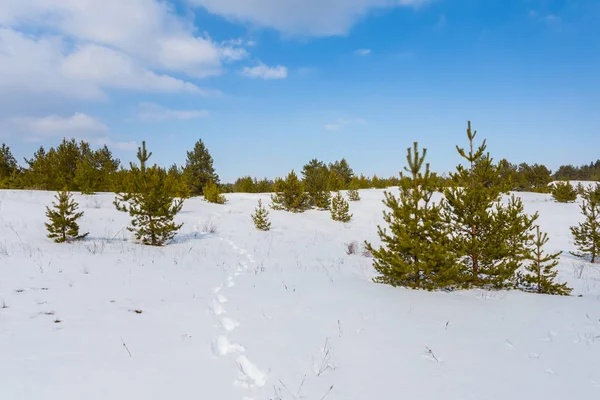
(543, 17)
(333, 127)
(265, 72)
(340, 123)
(154, 112)
(363, 52)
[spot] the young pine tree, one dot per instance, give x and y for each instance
(150, 203)
(340, 208)
(199, 170)
(564, 192)
(416, 250)
(541, 272)
(516, 227)
(213, 194)
(353, 195)
(63, 217)
(587, 233)
(485, 233)
(261, 218)
(289, 195)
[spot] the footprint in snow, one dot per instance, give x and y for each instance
(250, 375)
(216, 308)
(228, 324)
(222, 299)
(221, 346)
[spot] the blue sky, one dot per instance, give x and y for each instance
(271, 84)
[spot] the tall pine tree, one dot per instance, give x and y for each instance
(150, 203)
(416, 251)
(199, 170)
(316, 176)
(9, 169)
(587, 233)
(63, 217)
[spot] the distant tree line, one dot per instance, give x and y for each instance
(75, 166)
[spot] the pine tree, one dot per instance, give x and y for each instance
(199, 170)
(353, 195)
(343, 170)
(541, 271)
(417, 251)
(261, 217)
(63, 217)
(176, 181)
(340, 208)
(289, 195)
(64, 161)
(9, 169)
(213, 194)
(87, 174)
(482, 227)
(38, 175)
(316, 176)
(353, 186)
(587, 233)
(150, 202)
(335, 181)
(564, 192)
(516, 227)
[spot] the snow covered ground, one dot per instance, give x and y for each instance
(240, 314)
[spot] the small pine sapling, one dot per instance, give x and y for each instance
(290, 195)
(213, 194)
(587, 233)
(63, 225)
(416, 249)
(353, 195)
(541, 271)
(564, 192)
(261, 217)
(340, 209)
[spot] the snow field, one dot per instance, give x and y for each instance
(286, 314)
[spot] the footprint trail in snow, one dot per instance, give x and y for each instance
(249, 375)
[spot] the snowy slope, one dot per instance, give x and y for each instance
(287, 314)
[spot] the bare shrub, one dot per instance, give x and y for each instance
(366, 253)
(209, 227)
(578, 271)
(352, 248)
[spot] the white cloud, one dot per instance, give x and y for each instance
(363, 52)
(343, 122)
(79, 126)
(154, 112)
(301, 17)
(44, 64)
(99, 44)
(148, 30)
(265, 72)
